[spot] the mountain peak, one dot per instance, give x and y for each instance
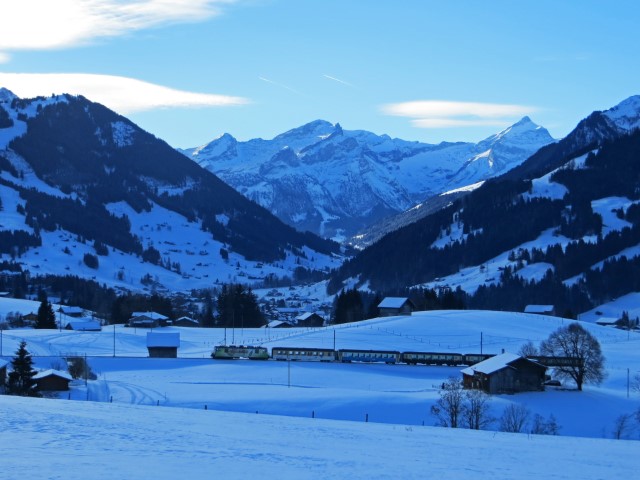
(625, 115)
(316, 128)
(6, 95)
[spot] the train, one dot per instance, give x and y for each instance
(308, 354)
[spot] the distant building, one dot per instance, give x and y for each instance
(278, 324)
(148, 320)
(309, 319)
(76, 312)
(392, 306)
(163, 345)
(505, 373)
(52, 380)
(607, 321)
(83, 325)
(186, 322)
(540, 309)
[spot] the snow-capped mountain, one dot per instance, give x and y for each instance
(84, 191)
(334, 182)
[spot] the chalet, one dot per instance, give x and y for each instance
(29, 320)
(186, 322)
(505, 373)
(540, 309)
(392, 306)
(82, 325)
(278, 324)
(148, 320)
(52, 380)
(607, 321)
(3, 372)
(163, 345)
(309, 319)
(75, 312)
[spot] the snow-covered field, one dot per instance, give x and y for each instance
(237, 417)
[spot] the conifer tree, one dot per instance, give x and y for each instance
(20, 381)
(46, 316)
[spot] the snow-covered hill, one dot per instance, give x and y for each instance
(335, 182)
(302, 419)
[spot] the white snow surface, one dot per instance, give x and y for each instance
(193, 416)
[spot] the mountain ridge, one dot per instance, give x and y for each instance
(334, 182)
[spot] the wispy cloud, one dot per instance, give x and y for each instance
(122, 94)
(337, 80)
(281, 85)
(450, 114)
(46, 24)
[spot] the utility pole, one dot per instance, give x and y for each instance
(114, 340)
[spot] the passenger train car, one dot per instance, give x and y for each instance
(232, 352)
(303, 354)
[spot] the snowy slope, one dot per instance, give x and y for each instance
(399, 394)
(334, 182)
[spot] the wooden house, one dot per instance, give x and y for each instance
(392, 306)
(163, 345)
(71, 311)
(278, 324)
(505, 373)
(540, 309)
(83, 325)
(186, 322)
(309, 319)
(148, 320)
(52, 380)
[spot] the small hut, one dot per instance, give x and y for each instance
(163, 345)
(52, 380)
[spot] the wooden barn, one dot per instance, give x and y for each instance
(309, 319)
(391, 306)
(3, 372)
(52, 381)
(505, 373)
(163, 345)
(186, 322)
(148, 320)
(540, 309)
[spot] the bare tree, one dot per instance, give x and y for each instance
(575, 342)
(475, 414)
(540, 426)
(528, 350)
(514, 418)
(622, 425)
(449, 406)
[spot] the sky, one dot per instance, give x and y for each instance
(426, 70)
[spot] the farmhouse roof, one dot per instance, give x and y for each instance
(69, 310)
(538, 308)
(151, 315)
(393, 302)
(52, 373)
(3, 363)
(155, 339)
(492, 364)
(305, 315)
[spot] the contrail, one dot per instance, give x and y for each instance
(337, 80)
(279, 85)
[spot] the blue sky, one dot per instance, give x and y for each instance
(188, 71)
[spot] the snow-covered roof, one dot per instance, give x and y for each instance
(57, 373)
(151, 315)
(305, 315)
(393, 302)
(538, 308)
(277, 323)
(83, 324)
(69, 310)
(3, 363)
(492, 364)
(607, 321)
(155, 339)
